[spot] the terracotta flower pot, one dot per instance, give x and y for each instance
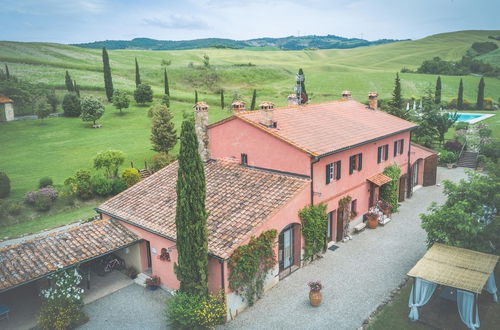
(387, 211)
(372, 222)
(315, 297)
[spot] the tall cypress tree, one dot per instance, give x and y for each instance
(305, 97)
(108, 81)
(75, 87)
(195, 96)
(397, 100)
(460, 98)
(222, 99)
(7, 73)
(137, 74)
(480, 95)
(191, 216)
(254, 99)
(437, 94)
(165, 80)
(69, 82)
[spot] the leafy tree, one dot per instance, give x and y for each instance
(222, 99)
(137, 74)
(191, 216)
(195, 96)
(442, 121)
(437, 94)
(7, 73)
(71, 105)
(108, 80)
(206, 61)
(480, 95)
(131, 176)
(69, 82)
(165, 81)
(426, 133)
(254, 99)
(52, 100)
(163, 133)
(4, 185)
(42, 111)
(460, 98)
(110, 161)
(143, 94)
(120, 100)
(92, 109)
(396, 107)
(468, 218)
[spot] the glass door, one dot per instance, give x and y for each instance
(286, 248)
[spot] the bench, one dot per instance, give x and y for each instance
(360, 227)
(4, 312)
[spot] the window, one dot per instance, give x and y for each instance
(244, 159)
(398, 147)
(333, 171)
(383, 153)
(355, 163)
(329, 228)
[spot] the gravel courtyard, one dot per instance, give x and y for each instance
(357, 277)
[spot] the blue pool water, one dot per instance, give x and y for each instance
(466, 117)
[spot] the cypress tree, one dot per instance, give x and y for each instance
(137, 74)
(165, 79)
(305, 97)
(191, 216)
(254, 99)
(69, 82)
(397, 101)
(437, 94)
(222, 99)
(480, 95)
(75, 86)
(7, 73)
(163, 133)
(195, 96)
(108, 81)
(460, 98)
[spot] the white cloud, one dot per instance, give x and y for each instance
(177, 21)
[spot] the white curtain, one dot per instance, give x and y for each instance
(491, 287)
(466, 302)
(421, 292)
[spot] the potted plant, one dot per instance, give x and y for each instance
(384, 207)
(448, 157)
(152, 283)
(315, 295)
(132, 272)
(372, 220)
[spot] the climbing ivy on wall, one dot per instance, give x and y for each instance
(314, 223)
(345, 206)
(389, 191)
(249, 265)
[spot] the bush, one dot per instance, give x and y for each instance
(447, 157)
(466, 104)
(71, 105)
(42, 203)
(44, 182)
(488, 103)
(159, 161)
(461, 125)
(186, 311)
(453, 145)
(143, 94)
(491, 150)
(83, 185)
(131, 176)
(110, 161)
(101, 185)
(60, 314)
(118, 186)
(4, 185)
(42, 199)
(14, 208)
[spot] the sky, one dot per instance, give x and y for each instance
(77, 21)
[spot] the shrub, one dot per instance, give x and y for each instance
(314, 223)
(44, 182)
(461, 125)
(101, 185)
(110, 161)
(143, 94)
(389, 191)
(187, 311)
(60, 314)
(71, 105)
(453, 145)
(491, 150)
(131, 176)
(485, 132)
(159, 161)
(42, 199)
(465, 106)
(83, 185)
(14, 208)
(4, 185)
(42, 203)
(488, 103)
(118, 186)
(447, 157)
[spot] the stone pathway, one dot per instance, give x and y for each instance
(357, 277)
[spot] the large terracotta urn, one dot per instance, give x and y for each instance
(315, 297)
(372, 222)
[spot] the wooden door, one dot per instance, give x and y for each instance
(340, 225)
(402, 188)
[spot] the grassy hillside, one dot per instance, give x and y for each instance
(328, 72)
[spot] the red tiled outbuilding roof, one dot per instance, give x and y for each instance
(327, 127)
(239, 199)
(379, 179)
(4, 99)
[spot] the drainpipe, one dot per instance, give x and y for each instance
(222, 275)
(315, 160)
(409, 180)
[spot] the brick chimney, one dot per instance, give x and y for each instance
(238, 106)
(373, 100)
(266, 114)
(293, 99)
(346, 95)
(200, 125)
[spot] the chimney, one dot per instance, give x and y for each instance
(266, 114)
(373, 100)
(200, 126)
(238, 106)
(293, 99)
(346, 95)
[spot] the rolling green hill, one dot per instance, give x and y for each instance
(328, 72)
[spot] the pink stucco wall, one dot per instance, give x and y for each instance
(419, 154)
(232, 138)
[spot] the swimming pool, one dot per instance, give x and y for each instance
(472, 118)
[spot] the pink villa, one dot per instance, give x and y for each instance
(261, 168)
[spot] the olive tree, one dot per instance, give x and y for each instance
(92, 109)
(109, 161)
(120, 99)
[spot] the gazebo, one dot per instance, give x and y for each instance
(463, 274)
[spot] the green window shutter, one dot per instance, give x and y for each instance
(360, 162)
(328, 169)
(352, 159)
(395, 148)
(338, 170)
(402, 146)
(386, 152)
(379, 154)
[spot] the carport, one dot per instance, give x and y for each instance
(25, 267)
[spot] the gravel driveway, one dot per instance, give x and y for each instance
(132, 307)
(357, 277)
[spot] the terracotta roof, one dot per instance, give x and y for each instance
(422, 151)
(238, 200)
(43, 255)
(4, 99)
(379, 179)
(327, 127)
